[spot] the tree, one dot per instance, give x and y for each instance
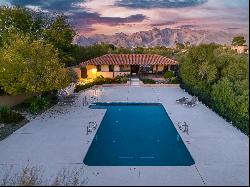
(238, 41)
(30, 67)
(138, 50)
(179, 45)
(198, 69)
(60, 34)
(219, 77)
(187, 44)
(230, 105)
(20, 20)
(121, 50)
(73, 75)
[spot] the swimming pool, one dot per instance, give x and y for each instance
(136, 134)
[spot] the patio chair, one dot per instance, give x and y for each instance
(182, 100)
(192, 103)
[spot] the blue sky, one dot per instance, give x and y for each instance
(111, 16)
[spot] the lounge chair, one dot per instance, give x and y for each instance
(192, 103)
(182, 100)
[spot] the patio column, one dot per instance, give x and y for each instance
(169, 67)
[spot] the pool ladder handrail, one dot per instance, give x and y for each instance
(85, 101)
(185, 126)
(91, 127)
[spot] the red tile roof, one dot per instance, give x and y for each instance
(130, 59)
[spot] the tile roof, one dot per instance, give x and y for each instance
(130, 59)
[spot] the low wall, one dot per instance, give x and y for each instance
(161, 85)
(10, 101)
(105, 74)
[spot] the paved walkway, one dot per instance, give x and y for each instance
(57, 139)
(135, 82)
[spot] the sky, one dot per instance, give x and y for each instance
(108, 17)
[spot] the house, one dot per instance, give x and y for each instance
(112, 65)
(242, 49)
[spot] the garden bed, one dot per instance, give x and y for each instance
(16, 117)
(100, 80)
(8, 129)
(10, 121)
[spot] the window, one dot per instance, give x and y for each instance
(124, 68)
(111, 68)
(99, 68)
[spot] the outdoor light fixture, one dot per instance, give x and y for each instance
(94, 71)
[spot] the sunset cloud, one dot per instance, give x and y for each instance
(147, 4)
(110, 16)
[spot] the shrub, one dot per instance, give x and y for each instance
(121, 79)
(8, 116)
(219, 77)
(36, 104)
(168, 75)
(32, 175)
(30, 67)
(101, 80)
(72, 75)
(51, 96)
(148, 81)
(175, 80)
(2, 92)
(80, 87)
(229, 105)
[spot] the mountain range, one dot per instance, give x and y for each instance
(164, 37)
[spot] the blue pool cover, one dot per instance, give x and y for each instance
(136, 134)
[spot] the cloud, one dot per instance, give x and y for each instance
(78, 16)
(110, 16)
(52, 5)
(147, 4)
(166, 23)
(93, 18)
(83, 21)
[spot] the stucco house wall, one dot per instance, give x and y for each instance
(78, 72)
(9, 100)
(105, 74)
(116, 68)
(160, 68)
(241, 49)
(105, 68)
(90, 71)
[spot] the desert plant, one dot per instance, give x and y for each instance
(67, 177)
(34, 176)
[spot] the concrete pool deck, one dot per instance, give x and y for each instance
(57, 139)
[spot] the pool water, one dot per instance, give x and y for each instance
(136, 134)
